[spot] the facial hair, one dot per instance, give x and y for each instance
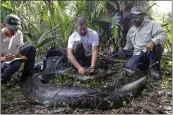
(137, 23)
(83, 34)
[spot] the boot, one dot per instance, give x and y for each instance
(155, 74)
(155, 70)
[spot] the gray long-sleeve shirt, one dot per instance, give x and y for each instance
(138, 37)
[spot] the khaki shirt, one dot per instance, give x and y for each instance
(138, 37)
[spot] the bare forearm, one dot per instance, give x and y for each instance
(94, 58)
(74, 61)
(2, 59)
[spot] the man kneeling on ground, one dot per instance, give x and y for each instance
(145, 38)
(83, 47)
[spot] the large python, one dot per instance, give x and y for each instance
(37, 91)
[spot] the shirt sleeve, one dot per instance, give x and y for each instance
(96, 39)
(158, 34)
(70, 42)
(21, 39)
(129, 44)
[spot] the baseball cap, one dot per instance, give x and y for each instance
(137, 10)
(13, 22)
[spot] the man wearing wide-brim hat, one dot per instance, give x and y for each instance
(146, 38)
(11, 43)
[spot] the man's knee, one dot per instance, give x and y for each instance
(32, 46)
(135, 60)
(131, 63)
(78, 50)
(29, 49)
(134, 66)
(78, 45)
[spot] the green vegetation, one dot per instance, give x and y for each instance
(70, 81)
(49, 23)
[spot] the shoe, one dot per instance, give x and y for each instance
(155, 74)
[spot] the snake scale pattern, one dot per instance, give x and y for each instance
(52, 95)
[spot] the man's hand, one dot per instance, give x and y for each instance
(90, 70)
(150, 46)
(24, 58)
(81, 70)
(9, 57)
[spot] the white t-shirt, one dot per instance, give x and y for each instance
(91, 39)
(11, 45)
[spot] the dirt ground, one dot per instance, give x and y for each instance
(154, 99)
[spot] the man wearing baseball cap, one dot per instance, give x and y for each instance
(11, 43)
(146, 38)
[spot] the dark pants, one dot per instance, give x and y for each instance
(143, 60)
(78, 52)
(8, 70)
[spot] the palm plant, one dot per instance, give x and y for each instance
(6, 8)
(39, 17)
